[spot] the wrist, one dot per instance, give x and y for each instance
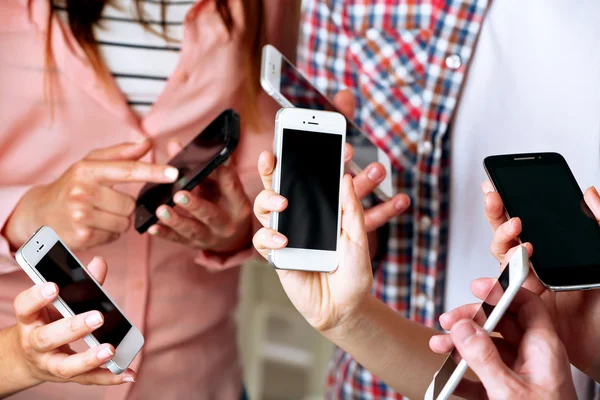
(352, 321)
(14, 366)
(21, 223)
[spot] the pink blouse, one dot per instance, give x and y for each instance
(181, 300)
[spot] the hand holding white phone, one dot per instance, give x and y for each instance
(46, 259)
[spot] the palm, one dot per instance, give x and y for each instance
(569, 310)
(324, 298)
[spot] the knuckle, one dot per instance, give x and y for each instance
(78, 192)
(63, 372)
(41, 339)
(79, 170)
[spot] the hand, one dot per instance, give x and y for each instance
(216, 216)
(369, 178)
(82, 206)
(325, 300)
(42, 337)
(575, 313)
(529, 362)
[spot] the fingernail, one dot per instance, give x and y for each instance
(278, 240)
(153, 230)
(128, 379)
(94, 320)
(182, 199)
(462, 332)
(400, 205)
(374, 174)
(171, 173)
(164, 213)
(105, 353)
(276, 200)
(49, 290)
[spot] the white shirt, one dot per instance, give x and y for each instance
(141, 61)
(533, 85)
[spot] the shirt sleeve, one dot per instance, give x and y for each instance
(9, 197)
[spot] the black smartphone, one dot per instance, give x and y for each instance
(195, 162)
(540, 189)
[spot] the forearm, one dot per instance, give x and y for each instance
(13, 371)
(393, 348)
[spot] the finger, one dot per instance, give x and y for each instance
(381, 214)
(345, 103)
(531, 311)
(66, 366)
(29, 303)
(267, 202)
(494, 210)
(203, 210)
(189, 228)
(232, 190)
(487, 187)
(353, 221)
(478, 350)
(65, 331)
(166, 233)
(368, 179)
(348, 153)
(592, 199)
(173, 148)
(468, 389)
(267, 239)
(98, 219)
(104, 198)
(505, 238)
(103, 377)
(266, 166)
(122, 151)
(98, 268)
(124, 171)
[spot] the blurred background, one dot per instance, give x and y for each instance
(283, 357)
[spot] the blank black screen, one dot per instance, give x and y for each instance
(82, 294)
(310, 180)
(556, 220)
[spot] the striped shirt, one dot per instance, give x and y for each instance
(140, 60)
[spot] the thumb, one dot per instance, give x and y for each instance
(477, 349)
(353, 220)
(345, 103)
(593, 201)
(98, 268)
(121, 152)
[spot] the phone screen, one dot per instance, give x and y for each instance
(310, 180)
(301, 93)
(556, 220)
(82, 294)
(480, 317)
(192, 162)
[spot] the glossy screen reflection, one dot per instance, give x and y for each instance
(310, 172)
(82, 294)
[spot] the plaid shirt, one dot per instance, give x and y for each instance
(405, 61)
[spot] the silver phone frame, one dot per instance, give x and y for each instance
(28, 259)
(274, 218)
(519, 270)
(268, 52)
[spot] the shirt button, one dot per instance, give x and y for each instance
(421, 300)
(426, 147)
(453, 61)
(425, 222)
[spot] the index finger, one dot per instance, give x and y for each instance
(125, 171)
(266, 167)
(29, 303)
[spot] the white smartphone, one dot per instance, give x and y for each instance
(44, 258)
(286, 85)
(309, 149)
(450, 374)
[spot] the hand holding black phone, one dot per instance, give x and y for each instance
(540, 189)
(195, 163)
